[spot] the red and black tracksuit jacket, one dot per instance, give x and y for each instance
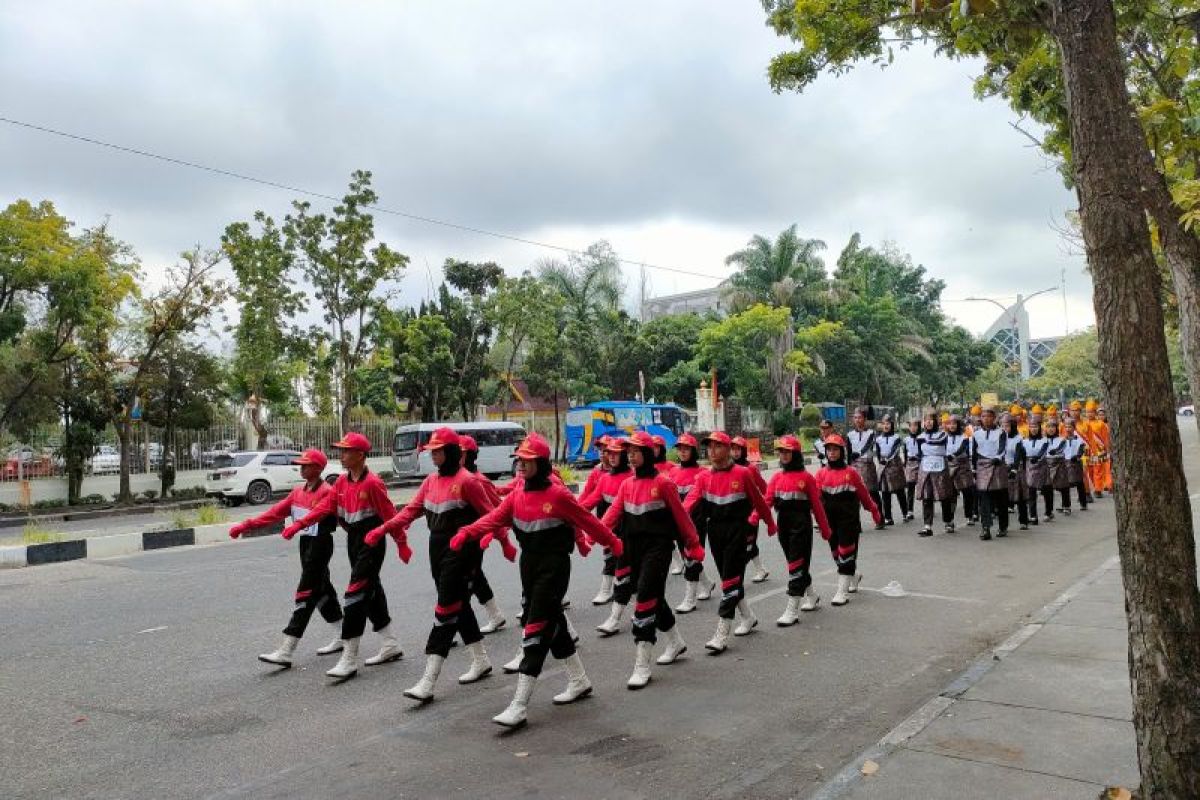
(721, 501)
(652, 519)
(842, 492)
(314, 591)
(360, 506)
(796, 498)
(547, 523)
(448, 502)
(600, 498)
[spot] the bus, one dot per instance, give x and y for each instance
(586, 424)
(496, 440)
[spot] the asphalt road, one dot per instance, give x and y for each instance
(136, 677)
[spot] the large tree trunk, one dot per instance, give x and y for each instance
(1154, 525)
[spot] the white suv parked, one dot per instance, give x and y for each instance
(253, 476)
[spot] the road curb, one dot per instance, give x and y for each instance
(851, 774)
(120, 544)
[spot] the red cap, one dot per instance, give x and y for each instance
(615, 444)
(836, 441)
(718, 437)
(534, 446)
(602, 441)
(354, 441)
(468, 444)
(312, 457)
(641, 439)
(688, 440)
(740, 441)
(659, 441)
(442, 437)
(788, 442)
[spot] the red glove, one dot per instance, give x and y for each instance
(694, 553)
(583, 545)
(291, 530)
(825, 534)
(753, 519)
(237, 530)
(771, 528)
(458, 541)
(618, 548)
(508, 548)
(878, 517)
(404, 550)
(375, 536)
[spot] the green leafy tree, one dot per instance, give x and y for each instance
(182, 385)
(350, 277)
(517, 309)
(268, 302)
(1073, 369)
(787, 272)
(424, 361)
(751, 350)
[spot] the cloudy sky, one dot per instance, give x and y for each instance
(650, 125)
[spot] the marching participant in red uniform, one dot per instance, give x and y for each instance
(796, 498)
(360, 501)
(481, 587)
(545, 517)
(448, 499)
(661, 463)
(652, 520)
(740, 451)
(842, 491)
(615, 578)
(721, 502)
(314, 592)
(699, 586)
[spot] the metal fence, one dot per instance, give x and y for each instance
(39, 455)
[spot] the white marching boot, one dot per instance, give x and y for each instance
(334, 646)
(748, 621)
(810, 600)
(423, 691)
(855, 580)
(641, 666)
(347, 665)
(720, 640)
(514, 715)
(514, 665)
(606, 591)
(707, 587)
(676, 563)
(612, 625)
(688, 604)
(389, 651)
(840, 597)
(481, 667)
(791, 614)
(676, 647)
(282, 657)
(760, 572)
(578, 685)
(496, 619)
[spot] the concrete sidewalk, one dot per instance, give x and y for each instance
(1047, 714)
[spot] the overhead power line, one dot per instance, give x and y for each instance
(180, 162)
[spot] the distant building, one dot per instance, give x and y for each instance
(699, 302)
(1010, 334)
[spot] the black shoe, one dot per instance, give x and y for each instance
(1024, 526)
(926, 531)
(985, 535)
(1002, 533)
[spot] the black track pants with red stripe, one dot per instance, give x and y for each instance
(545, 577)
(729, 546)
(796, 538)
(364, 598)
(453, 573)
(649, 558)
(845, 527)
(314, 592)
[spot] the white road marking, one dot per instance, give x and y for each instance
(154, 630)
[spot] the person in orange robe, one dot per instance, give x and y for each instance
(1099, 441)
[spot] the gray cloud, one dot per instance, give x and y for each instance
(519, 117)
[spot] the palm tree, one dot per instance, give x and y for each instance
(787, 272)
(590, 284)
